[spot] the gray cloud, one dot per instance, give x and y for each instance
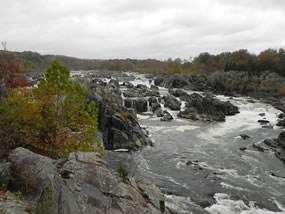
(141, 29)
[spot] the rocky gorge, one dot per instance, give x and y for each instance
(207, 152)
(201, 137)
(175, 103)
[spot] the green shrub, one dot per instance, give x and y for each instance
(123, 172)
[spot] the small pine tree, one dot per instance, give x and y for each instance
(123, 172)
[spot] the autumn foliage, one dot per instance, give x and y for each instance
(11, 72)
(52, 119)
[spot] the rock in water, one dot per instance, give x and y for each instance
(243, 148)
(81, 183)
(281, 123)
(206, 108)
(171, 102)
(244, 136)
(263, 122)
(166, 116)
(278, 145)
(140, 105)
(259, 147)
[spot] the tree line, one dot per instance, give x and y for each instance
(241, 60)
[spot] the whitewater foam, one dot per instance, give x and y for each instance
(185, 128)
(225, 205)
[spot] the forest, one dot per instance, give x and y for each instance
(241, 60)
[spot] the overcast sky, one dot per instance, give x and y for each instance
(141, 28)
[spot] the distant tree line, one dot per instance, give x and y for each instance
(241, 60)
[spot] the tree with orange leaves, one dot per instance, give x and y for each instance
(11, 72)
(52, 119)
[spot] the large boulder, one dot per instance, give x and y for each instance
(155, 107)
(166, 116)
(177, 81)
(171, 102)
(159, 81)
(206, 108)
(177, 92)
(140, 105)
(81, 183)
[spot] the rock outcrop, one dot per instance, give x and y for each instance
(193, 82)
(81, 183)
(166, 116)
(281, 122)
(117, 123)
(140, 91)
(243, 83)
(278, 145)
(171, 102)
(232, 83)
(206, 108)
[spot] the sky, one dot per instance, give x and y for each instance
(108, 29)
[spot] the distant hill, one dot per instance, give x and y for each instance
(241, 60)
(35, 62)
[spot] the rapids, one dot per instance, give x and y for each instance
(199, 164)
(200, 167)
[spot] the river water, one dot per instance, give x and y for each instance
(199, 165)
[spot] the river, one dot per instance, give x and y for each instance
(199, 164)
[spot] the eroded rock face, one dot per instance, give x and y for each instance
(119, 124)
(82, 183)
(206, 108)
